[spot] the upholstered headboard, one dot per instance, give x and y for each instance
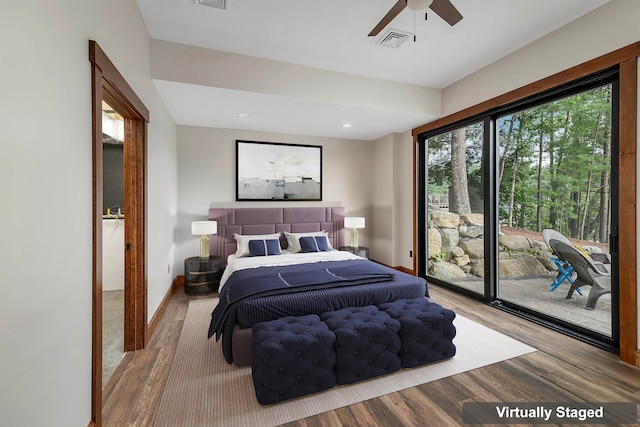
(273, 220)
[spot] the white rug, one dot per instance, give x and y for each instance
(203, 390)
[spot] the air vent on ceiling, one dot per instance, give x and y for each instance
(393, 38)
(220, 4)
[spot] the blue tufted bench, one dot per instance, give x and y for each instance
(367, 343)
(426, 330)
(292, 357)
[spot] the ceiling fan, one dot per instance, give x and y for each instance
(442, 8)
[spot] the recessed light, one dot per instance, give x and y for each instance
(243, 114)
(346, 125)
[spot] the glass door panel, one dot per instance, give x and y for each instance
(554, 173)
(455, 207)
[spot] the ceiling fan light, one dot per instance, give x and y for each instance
(418, 4)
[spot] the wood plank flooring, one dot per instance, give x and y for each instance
(563, 369)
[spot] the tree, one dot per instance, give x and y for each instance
(459, 197)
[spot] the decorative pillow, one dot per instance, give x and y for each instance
(264, 247)
(293, 239)
(242, 241)
(314, 244)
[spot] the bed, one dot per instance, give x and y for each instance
(305, 275)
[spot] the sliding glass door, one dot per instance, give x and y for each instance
(498, 193)
(455, 208)
(555, 174)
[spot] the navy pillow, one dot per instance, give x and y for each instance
(264, 247)
(314, 244)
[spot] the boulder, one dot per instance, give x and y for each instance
(450, 239)
(457, 251)
(515, 243)
(471, 231)
(476, 219)
(446, 271)
(473, 247)
(461, 261)
(522, 266)
(434, 240)
(541, 246)
(477, 267)
(442, 219)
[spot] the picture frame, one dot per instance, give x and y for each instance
(271, 171)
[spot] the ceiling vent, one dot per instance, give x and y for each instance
(220, 4)
(393, 38)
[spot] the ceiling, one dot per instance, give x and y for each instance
(332, 35)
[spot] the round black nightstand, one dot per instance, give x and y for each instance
(202, 275)
(361, 251)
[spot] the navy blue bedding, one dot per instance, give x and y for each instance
(259, 294)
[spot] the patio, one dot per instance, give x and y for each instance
(534, 293)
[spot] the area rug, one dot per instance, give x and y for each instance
(203, 390)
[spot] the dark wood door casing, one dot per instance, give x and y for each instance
(108, 84)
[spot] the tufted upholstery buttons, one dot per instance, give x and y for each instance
(296, 356)
(367, 343)
(427, 330)
(292, 357)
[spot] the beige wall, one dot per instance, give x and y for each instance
(206, 177)
(392, 200)
(46, 193)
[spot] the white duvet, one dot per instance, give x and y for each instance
(235, 263)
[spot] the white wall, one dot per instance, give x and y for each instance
(45, 197)
(112, 254)
(206, 177)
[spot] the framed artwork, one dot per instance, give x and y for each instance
(274, 171)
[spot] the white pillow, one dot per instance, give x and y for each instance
(293, 239)
(242, 241)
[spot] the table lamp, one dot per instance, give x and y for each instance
(204, 228)
(354, 222)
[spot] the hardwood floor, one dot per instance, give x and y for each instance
(563, 370)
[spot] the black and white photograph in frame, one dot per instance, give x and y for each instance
(278, 171)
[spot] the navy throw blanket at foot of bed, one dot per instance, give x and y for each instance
(263, 281)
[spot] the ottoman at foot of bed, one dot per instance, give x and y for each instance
(426, 330)
(292, 357)
(367, 343)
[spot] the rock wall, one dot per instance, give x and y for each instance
(456, 249)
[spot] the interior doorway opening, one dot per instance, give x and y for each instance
(108, 85)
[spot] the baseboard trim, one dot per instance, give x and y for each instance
(399, 268)
(406, 270)
(153, 323)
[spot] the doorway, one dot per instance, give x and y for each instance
(108, 85)
(113, 241)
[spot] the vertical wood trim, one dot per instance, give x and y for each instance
(415, 204)
(108, 84)
(135, 232)
(627, 248)
(96, 312)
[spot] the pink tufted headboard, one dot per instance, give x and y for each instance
(273, 220)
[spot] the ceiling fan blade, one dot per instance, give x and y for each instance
(395, 10)
(446, 11)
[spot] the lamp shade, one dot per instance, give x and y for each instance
(354, 222)
(202, 228)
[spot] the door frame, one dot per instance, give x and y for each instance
(108, 84)
(626, 59)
